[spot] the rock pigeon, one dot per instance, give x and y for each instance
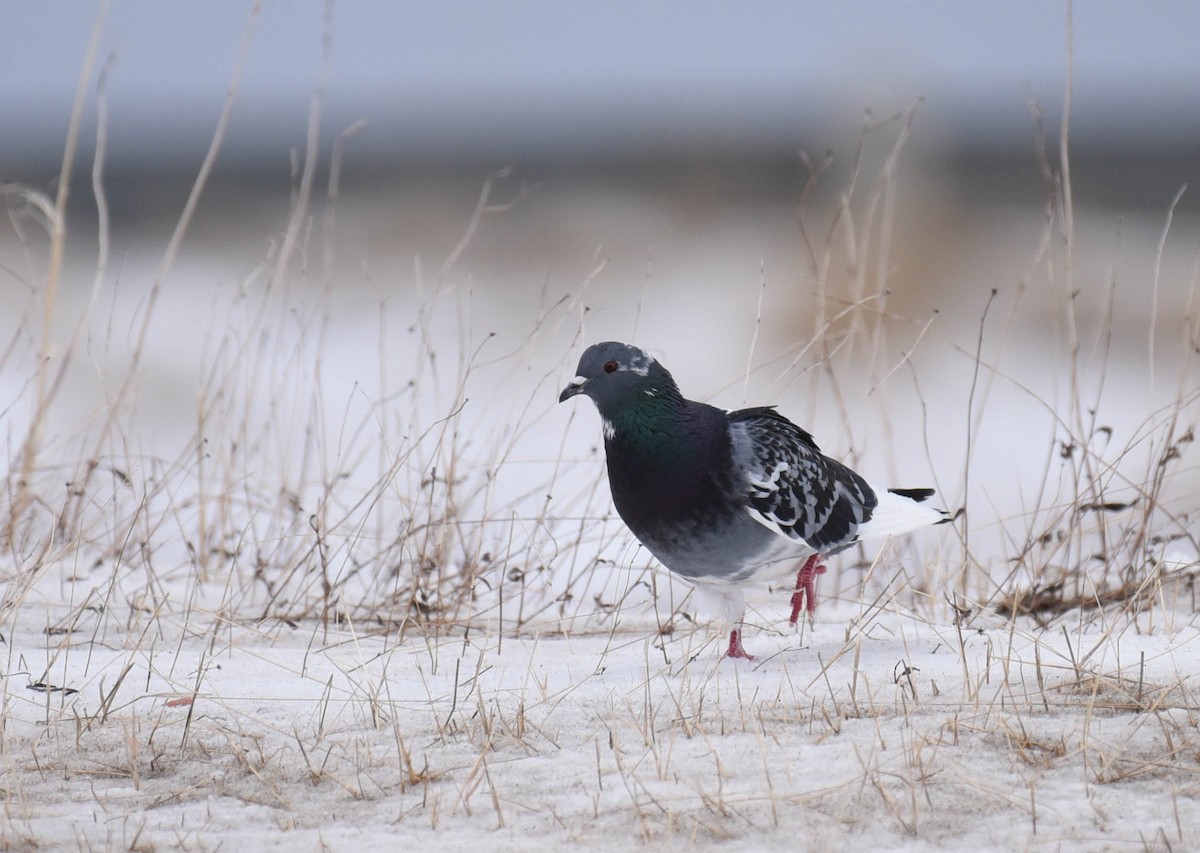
(728, 498)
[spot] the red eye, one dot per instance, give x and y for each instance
(610, 367)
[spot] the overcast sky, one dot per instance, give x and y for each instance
(535, 67)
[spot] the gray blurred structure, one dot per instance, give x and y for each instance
(697, 101)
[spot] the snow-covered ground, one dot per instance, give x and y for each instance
(877, 729)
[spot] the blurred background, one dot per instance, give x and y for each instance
(714, 181)
(662, 98)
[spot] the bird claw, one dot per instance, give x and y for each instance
(805, 596)
(735, 646)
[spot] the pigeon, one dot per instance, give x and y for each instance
(727, 498)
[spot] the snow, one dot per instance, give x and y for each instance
(876, 729)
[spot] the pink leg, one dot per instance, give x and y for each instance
(735, 645)
(805, 596)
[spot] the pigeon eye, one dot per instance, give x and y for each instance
(610, 367)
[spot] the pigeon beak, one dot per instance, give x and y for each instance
(574, 388)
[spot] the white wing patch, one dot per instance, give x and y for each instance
(764, 487)
(609, 430)
(772, 523)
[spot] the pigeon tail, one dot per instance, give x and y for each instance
(900, 511)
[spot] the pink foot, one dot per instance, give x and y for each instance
(735, 646)
(805, 596)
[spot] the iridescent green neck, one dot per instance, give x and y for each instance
(650, 425)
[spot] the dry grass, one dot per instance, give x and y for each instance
(330, 614)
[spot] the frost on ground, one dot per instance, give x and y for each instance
(877, 729)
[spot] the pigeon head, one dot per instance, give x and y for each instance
(615, 375)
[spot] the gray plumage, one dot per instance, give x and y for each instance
(725, 498)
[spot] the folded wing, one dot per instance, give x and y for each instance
(795, 489)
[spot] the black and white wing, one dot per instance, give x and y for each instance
(792, 487)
